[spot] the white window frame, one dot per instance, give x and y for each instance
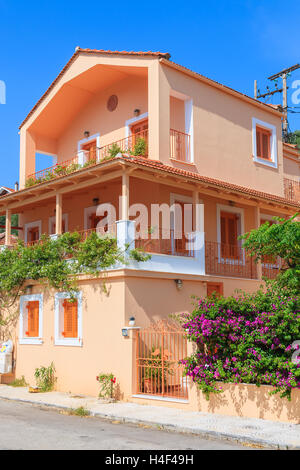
(233, 210)
(132, 121)
(273, 144)
(58, 340)
(52, 220)
(84, 141)
(23, 301)
(37, 223)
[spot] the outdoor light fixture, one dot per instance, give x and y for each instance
(86, 134)
(131, 321)
(137, 112)
(96, 201)
(125, 332)
(28, 289)
(16, 186)
(179, 283)
(231, 203)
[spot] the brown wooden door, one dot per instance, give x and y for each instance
(139, 130)
(33, 234)
(229, 234)
(90, 150)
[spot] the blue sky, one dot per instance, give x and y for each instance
(233, 42)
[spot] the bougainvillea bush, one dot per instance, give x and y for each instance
(244, 339)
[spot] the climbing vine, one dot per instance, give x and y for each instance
(56, 263)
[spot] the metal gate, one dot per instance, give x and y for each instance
(160, 348)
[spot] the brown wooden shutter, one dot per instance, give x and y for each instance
(216, 287)
(33, 319)
(263, 143)
(70, 319)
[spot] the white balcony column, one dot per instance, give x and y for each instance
(8, 227)
(125, 197)
(158, 112)
(257, 225)
(58, 214)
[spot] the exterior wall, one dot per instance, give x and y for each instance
(104, 313)
(103, 317)
(132, 94)
(291, 169)
(242, 400)
(223, 135)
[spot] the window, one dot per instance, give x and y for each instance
(31, 307)
(263, 143)
(68, 322)
(214, 287)
(33, 231)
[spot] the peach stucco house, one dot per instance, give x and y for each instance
(207, 145)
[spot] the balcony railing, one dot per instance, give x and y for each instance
(228, 260)
(164, 242)
(135, 144)
(180, 146)
(292, 190)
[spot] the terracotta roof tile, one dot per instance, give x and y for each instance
(210, 181)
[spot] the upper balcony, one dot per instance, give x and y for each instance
(135, 144)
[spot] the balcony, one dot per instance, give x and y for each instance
(164, 242)
(292, 190)
(228, 260)
(135, 144)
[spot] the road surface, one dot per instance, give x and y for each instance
(25, 426)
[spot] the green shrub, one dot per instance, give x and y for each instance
(45, 378)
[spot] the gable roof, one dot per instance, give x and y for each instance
(4, 190)
(162, 56)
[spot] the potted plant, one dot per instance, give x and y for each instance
(154, 366)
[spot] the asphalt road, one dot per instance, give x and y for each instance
(24, 426)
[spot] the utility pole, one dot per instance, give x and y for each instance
(283, 75)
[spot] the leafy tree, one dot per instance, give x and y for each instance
(14, 223)
(294, 138)
(56, 263)
(281, 239)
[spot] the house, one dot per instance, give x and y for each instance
(135, 130)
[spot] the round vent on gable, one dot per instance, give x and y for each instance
(112, 102)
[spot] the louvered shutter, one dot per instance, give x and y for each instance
(70, 319)
(33, 319)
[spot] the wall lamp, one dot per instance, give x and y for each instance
(86, 134)
(178, 283)
(137, 112)
(96, 201)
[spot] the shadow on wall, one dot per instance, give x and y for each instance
(248, 400)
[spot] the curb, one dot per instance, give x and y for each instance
(170, 427)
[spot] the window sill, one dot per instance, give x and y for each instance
(182, 161)
(265, 162)
(68, 342)
(31, 341)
